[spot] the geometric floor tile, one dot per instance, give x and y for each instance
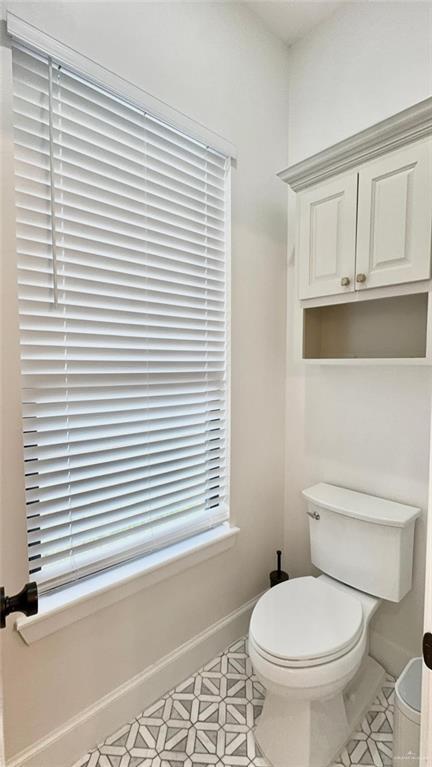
(208, 720)
(371, 745)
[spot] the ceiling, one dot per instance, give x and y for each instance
(292, 19)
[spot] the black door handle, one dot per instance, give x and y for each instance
(26, 601)
(427, 649)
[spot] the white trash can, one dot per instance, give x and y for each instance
(406, 739)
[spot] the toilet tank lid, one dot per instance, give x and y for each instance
(368, 508)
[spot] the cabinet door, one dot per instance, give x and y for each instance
(326, 237)
(394, 218)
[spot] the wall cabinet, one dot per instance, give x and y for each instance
(394, 218)
(363, 253)
(327, 237)
(369, 228)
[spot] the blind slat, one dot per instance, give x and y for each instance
(82, 449)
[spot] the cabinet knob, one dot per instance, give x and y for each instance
(345, 281)
(361, 277)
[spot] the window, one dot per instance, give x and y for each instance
(121, 247)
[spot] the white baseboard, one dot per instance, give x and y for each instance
(391, 655)
(74, 738)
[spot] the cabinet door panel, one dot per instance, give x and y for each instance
(327, 228)
(394, 218)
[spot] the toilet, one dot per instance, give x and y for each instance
(308, 637)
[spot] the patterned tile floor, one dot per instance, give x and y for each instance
(208, 720)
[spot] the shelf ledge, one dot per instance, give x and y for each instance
(378, 361)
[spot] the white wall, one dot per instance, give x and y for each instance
(365, 428)
(366, 62)
(216, 63)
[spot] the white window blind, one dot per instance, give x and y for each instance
(121, 243)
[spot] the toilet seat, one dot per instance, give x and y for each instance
(305, 622)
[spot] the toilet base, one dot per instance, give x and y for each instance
(295, 733)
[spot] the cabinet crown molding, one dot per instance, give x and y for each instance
(403, 128)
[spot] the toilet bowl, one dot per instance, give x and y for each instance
(308, 639)
(305, 636)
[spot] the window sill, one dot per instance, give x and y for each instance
(62, 608)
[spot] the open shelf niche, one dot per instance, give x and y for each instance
(382, 328)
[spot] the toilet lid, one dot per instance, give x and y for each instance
(305, 620)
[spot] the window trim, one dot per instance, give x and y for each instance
(35, 38)
(76, 601)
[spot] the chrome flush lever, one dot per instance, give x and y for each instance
(313, 514)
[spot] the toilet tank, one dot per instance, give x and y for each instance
(364, 541)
